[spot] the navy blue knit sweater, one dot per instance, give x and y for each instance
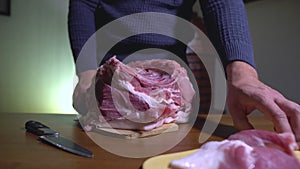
(225, 21)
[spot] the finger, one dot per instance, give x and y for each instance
(92, 99)
(79, 105)
(240, 119)
(92, 104)
(293, 112)
(276, 115)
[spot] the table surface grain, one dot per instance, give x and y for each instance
(22, 150)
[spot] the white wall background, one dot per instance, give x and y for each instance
(275, 30)
(36, 67)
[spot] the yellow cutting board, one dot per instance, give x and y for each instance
(162, 161)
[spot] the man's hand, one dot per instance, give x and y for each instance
(247, 93)
(84, 99)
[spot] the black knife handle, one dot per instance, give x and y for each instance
(39, 129)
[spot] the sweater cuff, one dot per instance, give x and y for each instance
(238, 51)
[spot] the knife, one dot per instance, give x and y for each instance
(52, 137)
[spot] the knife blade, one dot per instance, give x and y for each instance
(54, 138)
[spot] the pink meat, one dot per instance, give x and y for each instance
(250, 149)
(141, 95)
(259, 138)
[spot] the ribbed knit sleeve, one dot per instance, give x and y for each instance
(81, 26)
(227, 27)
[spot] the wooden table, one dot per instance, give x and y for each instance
(22, 150)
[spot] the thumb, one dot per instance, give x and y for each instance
(79, 103)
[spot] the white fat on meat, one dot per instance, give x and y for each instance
(216, 155)
(129, 112)
(141, 95)
(249, 149)
(181, 78)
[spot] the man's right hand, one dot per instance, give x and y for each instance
(84, 99)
